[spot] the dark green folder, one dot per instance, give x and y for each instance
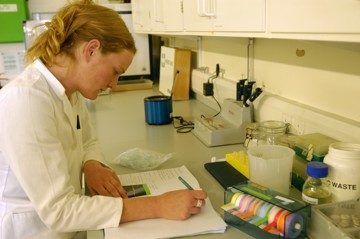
(225, 174)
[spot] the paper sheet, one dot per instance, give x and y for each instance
(160, 181)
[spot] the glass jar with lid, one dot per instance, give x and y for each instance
(270, 132)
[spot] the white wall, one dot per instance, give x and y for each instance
(45, 6)
(53, 5)
(320, 90)
(327, 77)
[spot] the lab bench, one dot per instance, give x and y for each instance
(119, 120)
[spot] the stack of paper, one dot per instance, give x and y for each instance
(160, 181)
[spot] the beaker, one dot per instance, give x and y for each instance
(270, 166)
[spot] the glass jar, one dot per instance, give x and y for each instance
(270, 132)
(316, 189)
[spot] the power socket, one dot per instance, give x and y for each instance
(208, 89)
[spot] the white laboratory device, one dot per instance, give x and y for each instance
(229, 127)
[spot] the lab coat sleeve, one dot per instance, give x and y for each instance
(38, 160)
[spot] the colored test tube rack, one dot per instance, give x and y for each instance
(265, 213)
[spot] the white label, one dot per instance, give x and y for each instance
(8, 8)
(344, 188)
(284, 199)
(310, 200)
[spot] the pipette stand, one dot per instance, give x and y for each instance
(229, 127)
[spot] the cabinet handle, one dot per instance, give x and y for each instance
(206, 8)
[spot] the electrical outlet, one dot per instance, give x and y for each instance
(287, 118)
(222, 72)
(297, 126)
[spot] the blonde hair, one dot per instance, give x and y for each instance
(79, 22)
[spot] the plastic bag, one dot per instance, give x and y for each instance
(141, 159)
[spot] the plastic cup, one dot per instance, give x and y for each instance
(271, 166)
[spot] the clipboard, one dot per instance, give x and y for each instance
(225, 174)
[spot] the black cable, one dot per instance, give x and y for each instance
(174, 82)
(217, 72)
(184, 127)
(211, 78)
(220, 108)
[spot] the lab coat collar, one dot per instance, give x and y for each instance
(54, 83)
(59, 90)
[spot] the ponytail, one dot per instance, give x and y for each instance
(76, 23)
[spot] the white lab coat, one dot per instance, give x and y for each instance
(41, 158)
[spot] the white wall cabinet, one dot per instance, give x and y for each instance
(224, 15)
(167, 15)
(314, 16)
(326, 20)
(141, 15)
(157, 15)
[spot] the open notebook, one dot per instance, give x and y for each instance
(158, 182)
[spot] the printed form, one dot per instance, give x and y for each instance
(161, 181)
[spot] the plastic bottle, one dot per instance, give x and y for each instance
(316, 189)
(344, 167)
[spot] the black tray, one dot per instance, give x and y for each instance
(225, 174)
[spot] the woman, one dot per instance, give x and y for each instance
(46, 140)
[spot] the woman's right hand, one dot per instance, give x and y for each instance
(174, 205)
(181, 204)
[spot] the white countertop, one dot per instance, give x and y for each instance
(119, 120)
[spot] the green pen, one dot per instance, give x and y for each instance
(185, 183)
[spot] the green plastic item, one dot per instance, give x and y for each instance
(12, 15)
(313, 147)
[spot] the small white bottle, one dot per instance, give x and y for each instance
(316, 189)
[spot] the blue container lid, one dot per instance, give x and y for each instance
(317, 169)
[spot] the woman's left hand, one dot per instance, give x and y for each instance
(102, 180)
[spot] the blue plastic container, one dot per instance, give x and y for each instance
(158, 110)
